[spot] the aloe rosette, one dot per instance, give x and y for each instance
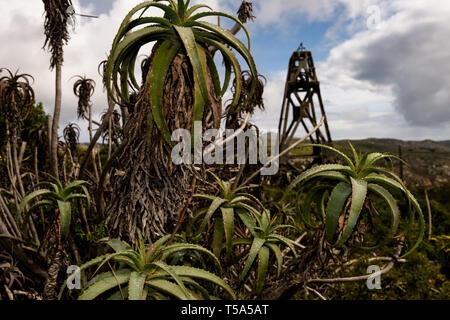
(229, 202)
(180, 30)
(145, 274)
(57, 196)
(265, 240)
(342, 193)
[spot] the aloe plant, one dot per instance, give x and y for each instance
(57, 17)
(228, 202)
(343, 193)
(58, 196)
(16, 101)
(84, 88)
(147, 275)
(181, 30)
(265, 240)
(16, 96)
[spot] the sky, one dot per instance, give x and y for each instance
(384, 65)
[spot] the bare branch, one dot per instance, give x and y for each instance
(316, 292)
(385, 270)
(295, 243)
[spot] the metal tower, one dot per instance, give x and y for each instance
(301, 94)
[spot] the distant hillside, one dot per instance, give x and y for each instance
(392, 146)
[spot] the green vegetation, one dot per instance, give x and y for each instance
(146, 275)
(141, 228)
(59, 196)
(341, 190)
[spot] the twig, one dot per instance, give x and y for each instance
(385, 270)
(117, 279)
(9, 293)
(316, 292)
(384, 259)
(296, 243)
(29, 295)
(9, 218)
(246, 287)
(7, 236)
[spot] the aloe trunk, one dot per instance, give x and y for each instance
(56, 260)
(152, 190)
(56, 116)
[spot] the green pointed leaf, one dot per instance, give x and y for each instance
(108, 282)
(421, 221)
(219, 29)
(202, 275)
(335, 208)
(72, 187)
(304, 212)
(219, 234)
(191, 10)
(263, 265)
(173, 274)
(217, 202)
(204, 293)
(393, 208)
(124, 28)
(30, 197)
(228, 224)
(136, 286)
(185, 246)
(248, 222)
(240, 241)
(162, 60)
(254, 250)
(65, 216)
(231, 59)
(359, 192)
(278, 256)
(118, 245)
(129, 44)
(168, 288)
(316, 170)
(284, 240)
(198, 64)
(355, 154)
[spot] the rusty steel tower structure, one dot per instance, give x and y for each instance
(302, 102)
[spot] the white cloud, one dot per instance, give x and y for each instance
(22, 38)
(363, 79)
(390, 81)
